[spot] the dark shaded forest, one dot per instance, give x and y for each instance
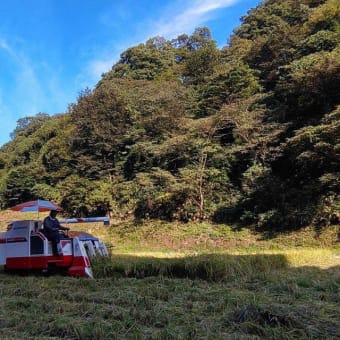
(182, 130)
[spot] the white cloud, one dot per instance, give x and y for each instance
(29, 89)
(188, 18)
(97, 67)
(92, 72)
(3, 44)
(22, 81)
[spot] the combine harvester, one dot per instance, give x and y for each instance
(25, 247)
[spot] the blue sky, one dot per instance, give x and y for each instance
(50, 50)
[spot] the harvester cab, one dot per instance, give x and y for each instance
(25, 247)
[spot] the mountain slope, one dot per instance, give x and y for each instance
(182, 130)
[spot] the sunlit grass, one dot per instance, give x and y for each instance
(316, 257)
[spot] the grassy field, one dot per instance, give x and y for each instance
(193, 281)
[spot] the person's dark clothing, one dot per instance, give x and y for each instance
(51, 231)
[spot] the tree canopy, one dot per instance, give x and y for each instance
(182, 130)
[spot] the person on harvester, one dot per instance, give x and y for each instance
(51, 230)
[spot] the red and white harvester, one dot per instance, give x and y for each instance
(25, 247)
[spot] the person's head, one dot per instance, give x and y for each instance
(53, 213)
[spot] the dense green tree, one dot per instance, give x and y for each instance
(325, 17)
(310, 85)
(228, 83)
(18, 186)
(150, 61)
(28, 125)
(101, 118)
(200, 57)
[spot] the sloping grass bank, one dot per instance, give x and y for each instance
(165, 237)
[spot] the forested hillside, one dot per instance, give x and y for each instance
(183, 130)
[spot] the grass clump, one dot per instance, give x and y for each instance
(211, 267)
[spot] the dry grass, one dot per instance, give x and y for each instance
(269, 302)
(184, 282)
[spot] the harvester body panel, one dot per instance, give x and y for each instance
(25, 247)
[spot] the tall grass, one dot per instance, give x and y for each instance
(211, 267)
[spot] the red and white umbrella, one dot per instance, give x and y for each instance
(38, 205)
